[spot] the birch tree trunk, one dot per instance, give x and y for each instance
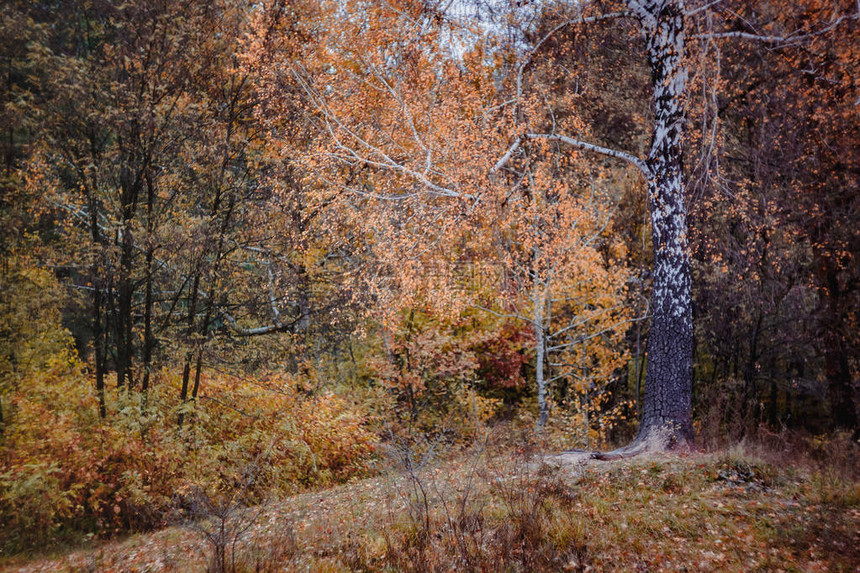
(666, 406)
(540, 351)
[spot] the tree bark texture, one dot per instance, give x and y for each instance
(540, 351)
(666, 406)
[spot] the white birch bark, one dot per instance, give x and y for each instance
(666, 407)
(540, 351)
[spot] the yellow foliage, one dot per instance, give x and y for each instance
(63, 469)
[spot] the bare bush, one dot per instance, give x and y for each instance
(515, 519)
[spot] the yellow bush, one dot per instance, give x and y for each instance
(64, 470)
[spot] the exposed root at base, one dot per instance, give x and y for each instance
(627, 451)
(657, 440)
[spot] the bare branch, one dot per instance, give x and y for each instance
(507, 156)
(372, 155)
(504, 315)
(745, 36)
(581, 339)
(585, 146)
(790, 39)
(260, 330)
(702, 8)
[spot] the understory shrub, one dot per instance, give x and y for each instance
(65, 472)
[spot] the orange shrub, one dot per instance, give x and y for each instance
(65, 471)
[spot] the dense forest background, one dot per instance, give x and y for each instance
(277, 237)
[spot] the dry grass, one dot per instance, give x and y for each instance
(502, 509)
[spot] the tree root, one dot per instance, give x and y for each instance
(657, 440)
(633, 449)
(630, 450)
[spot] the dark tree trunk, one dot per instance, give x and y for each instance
(125, 291)
(186, 368)
(198, 368)
(148, 337)
(99, 347)
(666, 406)
(130, 184)
(773, 405)
(751, 410)
(204, 335)
(98, 321)
(837, 370)
(148, 341)
(10, 132)
(195, 290)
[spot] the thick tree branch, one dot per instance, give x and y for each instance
(293, 326)
(507, 156)
(787, 40)
(583, 145)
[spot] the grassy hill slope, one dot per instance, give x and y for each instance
(505, 509)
